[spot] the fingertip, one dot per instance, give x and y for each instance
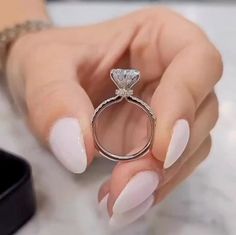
(104, 190)
(175, 114)
(178, 142)
(121, 220)
(140, 178)
(103, 204)
(138, 189)
(67, 143)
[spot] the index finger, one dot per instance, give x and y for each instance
(180, 57)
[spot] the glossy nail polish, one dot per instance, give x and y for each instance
(67, 144)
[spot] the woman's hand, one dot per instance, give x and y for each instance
(59, 75)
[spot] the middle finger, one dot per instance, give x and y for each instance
(140, 178)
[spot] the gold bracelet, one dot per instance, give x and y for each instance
(9, 35)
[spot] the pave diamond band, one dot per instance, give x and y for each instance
(124, 79)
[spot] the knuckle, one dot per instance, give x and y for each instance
(215, 109)
(213, 57)
(148, 29)
(157, 10)
(153, 13)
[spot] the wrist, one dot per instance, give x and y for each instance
(16, 65)
(10, 35)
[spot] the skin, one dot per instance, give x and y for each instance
(13, 12)
(55, 73)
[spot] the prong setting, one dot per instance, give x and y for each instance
(125, 78)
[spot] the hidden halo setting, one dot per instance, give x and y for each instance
(124, 79)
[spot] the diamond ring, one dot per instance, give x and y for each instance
(124, 79)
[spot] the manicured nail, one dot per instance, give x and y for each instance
(120, 220)
(103, 204)
(67, 144)
(137, 190)
(178, 142)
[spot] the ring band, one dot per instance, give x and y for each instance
(124, 79)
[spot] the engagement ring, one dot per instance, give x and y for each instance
(124, 79)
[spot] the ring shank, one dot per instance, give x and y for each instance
(109, 102)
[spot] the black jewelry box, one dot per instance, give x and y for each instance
(17, 198)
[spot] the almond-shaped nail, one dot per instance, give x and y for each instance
(67, 144)
(120, 220)
(103, 207)
(103, 203)
(138, 189)
(178, 142)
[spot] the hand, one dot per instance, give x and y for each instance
(59, 75)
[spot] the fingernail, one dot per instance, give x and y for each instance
(103, 204)
(178, 142)
(120, 220)
(67, 144)
(103, 213)
(137, 190)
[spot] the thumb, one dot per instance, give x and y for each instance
(60, 111)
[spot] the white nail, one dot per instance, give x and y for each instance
(103, 204)
(67, 144)
(137, 190)
(178, 142)
(120, 220)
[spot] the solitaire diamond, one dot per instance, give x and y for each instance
(125, 78)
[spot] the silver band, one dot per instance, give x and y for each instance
(124, 79)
